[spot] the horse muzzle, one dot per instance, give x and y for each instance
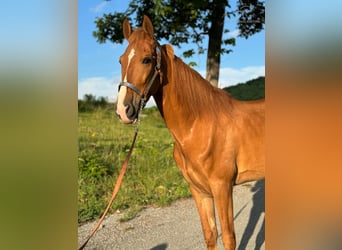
(128, 114)
(127, 110)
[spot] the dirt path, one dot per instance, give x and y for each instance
(178, 227)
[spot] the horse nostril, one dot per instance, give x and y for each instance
(131, 112)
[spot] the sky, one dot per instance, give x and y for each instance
(99, 71)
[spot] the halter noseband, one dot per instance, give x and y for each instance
(149, 85)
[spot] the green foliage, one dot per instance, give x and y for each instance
(180, 21)
(110, 27)
(188, 53)
(251, 17)
(91, 103)
(250, 90)
(152, 178)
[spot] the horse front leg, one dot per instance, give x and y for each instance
(223, 197)
(206, 210)
(204, 203)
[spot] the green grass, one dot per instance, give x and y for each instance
(152, 178)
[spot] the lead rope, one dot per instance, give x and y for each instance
(125, 164)
(119, 180)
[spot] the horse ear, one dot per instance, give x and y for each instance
(127, 30)
(147, 26)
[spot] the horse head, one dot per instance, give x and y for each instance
(140, 64)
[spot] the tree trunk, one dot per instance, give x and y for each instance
(214, 44)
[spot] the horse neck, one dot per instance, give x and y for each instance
(186, 96)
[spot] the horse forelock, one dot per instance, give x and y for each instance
(141, 36)
(140, 44)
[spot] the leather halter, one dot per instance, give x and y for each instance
(143, 94)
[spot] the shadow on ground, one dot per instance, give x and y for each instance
(257, 210)
(160, 247)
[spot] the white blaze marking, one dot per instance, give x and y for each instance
(130, 56)
(121, 96)
(121, 108)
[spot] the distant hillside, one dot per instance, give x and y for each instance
(250, 90)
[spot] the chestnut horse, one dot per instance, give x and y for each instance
(219, 141)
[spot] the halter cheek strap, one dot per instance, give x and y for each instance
(149, 85)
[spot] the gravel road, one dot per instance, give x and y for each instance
(178, 226)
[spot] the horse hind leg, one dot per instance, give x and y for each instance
(206, 210)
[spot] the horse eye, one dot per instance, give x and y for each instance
(147, 60)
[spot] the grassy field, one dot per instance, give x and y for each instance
(152, 177)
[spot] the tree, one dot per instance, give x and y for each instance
(91, 103)
(184, 21)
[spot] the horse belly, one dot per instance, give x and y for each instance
(250, 164)
(249, 175)
(250, 157)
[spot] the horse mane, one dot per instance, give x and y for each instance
(196, 95)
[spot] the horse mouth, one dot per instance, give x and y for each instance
(126, 121)
(126, 115)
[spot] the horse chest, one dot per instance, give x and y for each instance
(193, 168)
